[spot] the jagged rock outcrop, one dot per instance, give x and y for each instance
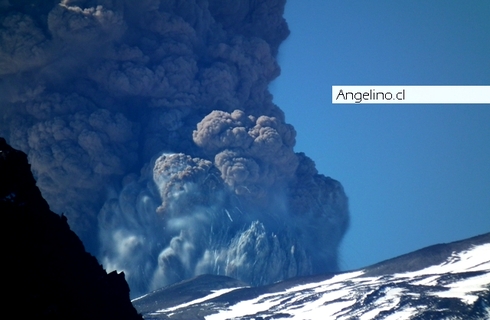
(48, 272)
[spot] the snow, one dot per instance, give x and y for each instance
(352, 295)
(403, 314)
(327, 311)
(138, 298)
(332, 298)
(214, 294)
(474, 259)
(391, 299)
(425, 281)
(337, 279)
(463, 289)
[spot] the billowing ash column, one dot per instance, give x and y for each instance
(150, 125)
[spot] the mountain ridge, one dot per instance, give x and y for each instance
(401, 278)
(425, 257)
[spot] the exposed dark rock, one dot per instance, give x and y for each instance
(47, 268)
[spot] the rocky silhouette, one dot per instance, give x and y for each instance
(48, 271)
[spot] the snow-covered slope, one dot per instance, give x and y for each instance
(450, 281)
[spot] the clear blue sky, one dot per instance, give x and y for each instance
(415, 175)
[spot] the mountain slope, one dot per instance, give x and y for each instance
(49, 273)
(445, 281)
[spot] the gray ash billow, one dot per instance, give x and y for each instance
(150, 125)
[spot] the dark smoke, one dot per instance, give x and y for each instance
(150, 125)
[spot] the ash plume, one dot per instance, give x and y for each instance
(149, 124)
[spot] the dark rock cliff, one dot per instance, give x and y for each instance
(48, 272)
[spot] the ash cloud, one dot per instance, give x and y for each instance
(252, 154)
(150, 125)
